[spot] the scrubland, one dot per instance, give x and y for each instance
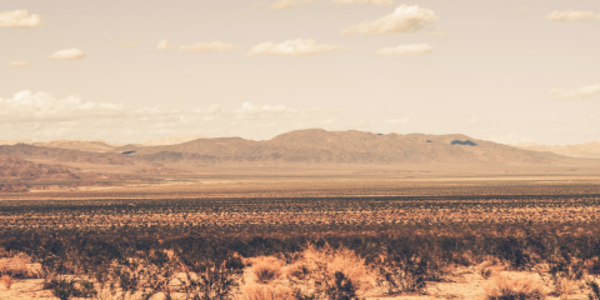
(299, 238)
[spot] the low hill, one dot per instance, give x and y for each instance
(346, 147)
(90, 146)
(587, 150)
(14, 168)
(65, 155)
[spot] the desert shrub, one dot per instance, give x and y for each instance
(342, 288)
(504, 288)
(265, 269)
(594, 290)
(211, 280)
(19, 266)
(312, 272)
(7, 280)
(563, 276)
(267, 292)
(402, 270)
(66, 288)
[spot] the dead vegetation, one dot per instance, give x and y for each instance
(306, 248)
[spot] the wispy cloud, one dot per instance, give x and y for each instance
(580, 93)
(572, 15)
(20, 64)
(127, 45)
(31, 115)
(68, 54)
(404, 19)
(297, 47)
(164, 45)
(19, 19)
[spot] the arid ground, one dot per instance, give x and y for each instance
(376, 232)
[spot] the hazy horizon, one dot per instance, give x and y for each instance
(510, 71)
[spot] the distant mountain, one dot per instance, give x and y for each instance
(313, 146)
(14, 142)
(91, 146)
(15, 168)
(345, 147)
(65, 155)
(172, 140)
(587, 150)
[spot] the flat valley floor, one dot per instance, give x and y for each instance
(394, 233)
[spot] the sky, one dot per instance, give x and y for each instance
(127, 71)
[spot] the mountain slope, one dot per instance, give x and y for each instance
(587, 150)
(65, 155)
(15, 168)
(347, 147)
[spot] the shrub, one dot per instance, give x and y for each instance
(504, 288)
(594, 290)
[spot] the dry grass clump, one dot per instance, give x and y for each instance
(19, 266)
(8, 281)
(491, 266)
(505, 288)
(315, 273)
(265, 269)
(326, 261)
(267, 292)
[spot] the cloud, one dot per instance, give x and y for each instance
(580, 93)
(412, 49)
(127, 45)
(217, 46)
(297, 47)
(29, 106)
(283, 4)
(19, 19)
(523, 9)
(373, 2)
(571, 15)
(37, 114)
(404, 19)
(163, 45)
(20, 64)
(72, 54)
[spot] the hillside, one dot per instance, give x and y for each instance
(346, 147)
(14, 168)
(313, 146)
(65, 155)
(587, 150)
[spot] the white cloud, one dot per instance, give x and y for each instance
(164, 45)
(217, 46)
(29, 106)
(404, 19)
(20, 64)
(580, 93)
(297, 47)
(72, 54)
(283, 4)
(19, 19)
(412, 49)
(373, 2)
(34, 115)
(127, 45)
(571, 15)
(397, 121)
